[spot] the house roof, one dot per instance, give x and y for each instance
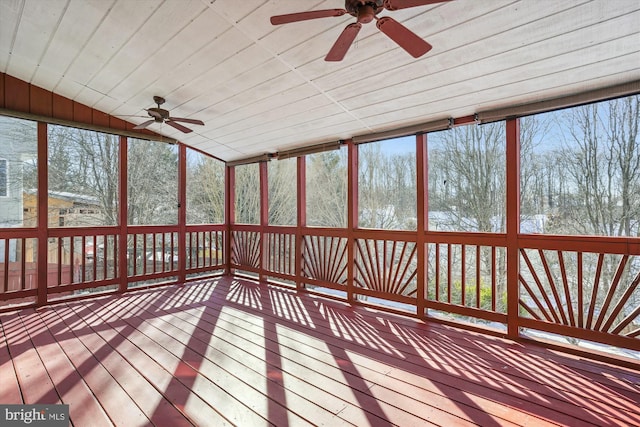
(261, 88)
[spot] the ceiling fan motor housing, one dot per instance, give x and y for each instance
(364, 10)
(159, 114)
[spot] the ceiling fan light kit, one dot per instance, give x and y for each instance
(366, 11)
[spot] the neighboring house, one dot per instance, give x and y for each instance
(65, 210)
(16, 148)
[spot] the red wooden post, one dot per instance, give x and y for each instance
(182, 214)
(123, 264)
(43, 214)
(302, 218)
(513, 224)
(264, 216)
(229, 213)
(352, 215)
(422, 201)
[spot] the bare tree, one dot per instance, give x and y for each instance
(282, 192)
(152, 184)
(327, 189)
(386, 187)
(247, 189)
(205, 189)
(470, 163)
(602, 156)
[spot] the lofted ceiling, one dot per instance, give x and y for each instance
(261, 88)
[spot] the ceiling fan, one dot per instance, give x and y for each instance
(366, 11)
(160, 115)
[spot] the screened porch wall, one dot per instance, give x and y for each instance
(511, 282)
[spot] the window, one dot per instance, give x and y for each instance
(152, 183)
(580, 170)
(83, 177)
(282, 192)
(247, 200)
(205, 189)
(326, 176)
(387, 184)
(467, 170)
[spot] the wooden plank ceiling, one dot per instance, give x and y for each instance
(261, 88)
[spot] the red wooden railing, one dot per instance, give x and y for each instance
(582, 287)
(81, 260)
(17, 275)
(386, 268)
(465, 277)
(324, 259)
(467, 274)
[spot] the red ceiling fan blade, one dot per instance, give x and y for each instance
(303, 16)
(192, 121)
(178, 126)
(145, 124)
(405, 4)
(341, 46)
(404, 37)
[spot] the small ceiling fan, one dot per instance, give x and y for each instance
(366, 11)
(160, 115)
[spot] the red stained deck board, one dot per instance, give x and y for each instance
(114, 400)
(317, 402)
(10, 390)
(543, 410)
(434, 397)
(226, 379)
(215, 356)
(68, 382)
(327, 376)
(547, 405)
(198, 411)
(154, 406)
(35, 384)
(228, 345)
(549, 401)
(377, 373)
(161, 353)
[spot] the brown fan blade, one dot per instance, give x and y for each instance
(192, 121)
(178, 126)
(405, 4)
(145, 124)
(304, 16)
(404, 37)
(341, 46)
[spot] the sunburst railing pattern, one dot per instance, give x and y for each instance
(386, 267)
(595, 291)
(245, 249)
(324, 259)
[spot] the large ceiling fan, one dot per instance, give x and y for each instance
(366, 11)
(160, 115)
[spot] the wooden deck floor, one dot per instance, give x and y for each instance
(229, 352)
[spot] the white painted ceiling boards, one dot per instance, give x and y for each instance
(261, 88)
